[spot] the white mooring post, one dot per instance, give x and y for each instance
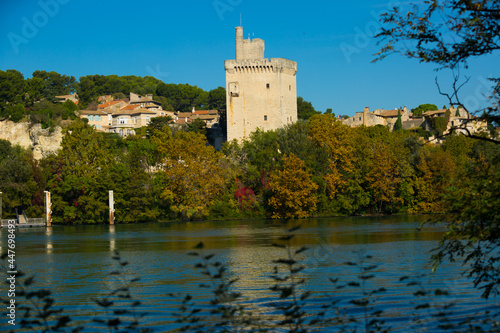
(111, 208)
(48, 209)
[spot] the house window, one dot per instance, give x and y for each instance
(122, 120)
(290, 87)
(121, 132)
(267, 85)
(147, 120)
(99, 126)
(265, 118)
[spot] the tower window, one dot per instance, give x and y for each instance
(265, 118)
(267, 85)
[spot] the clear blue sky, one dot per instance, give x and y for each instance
(187, 42)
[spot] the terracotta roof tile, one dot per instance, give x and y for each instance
(98, 112)
(389, 113)
(130, 107)
(142, 110)
(108, 104)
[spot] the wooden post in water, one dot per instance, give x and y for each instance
(48, 209)
(111, 208)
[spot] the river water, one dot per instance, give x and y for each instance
(75, 262)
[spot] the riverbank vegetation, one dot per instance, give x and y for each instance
(317, 167)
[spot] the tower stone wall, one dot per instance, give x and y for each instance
(261, 93)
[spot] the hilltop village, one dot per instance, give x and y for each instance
(261, 93)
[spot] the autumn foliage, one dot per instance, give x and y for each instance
(293, 191)
(318, 167)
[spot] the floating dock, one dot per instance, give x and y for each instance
(30, 223)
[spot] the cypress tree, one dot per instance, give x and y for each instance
(398, 126)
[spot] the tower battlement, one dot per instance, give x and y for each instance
(274, 65)
(247, 48)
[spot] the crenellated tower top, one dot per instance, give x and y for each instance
(247, 49)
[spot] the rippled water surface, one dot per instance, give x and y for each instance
(75, 262)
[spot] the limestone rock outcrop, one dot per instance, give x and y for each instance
(41, 141)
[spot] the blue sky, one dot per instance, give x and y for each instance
(188, 41)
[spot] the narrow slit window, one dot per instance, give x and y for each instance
(268, 85)
(265, 118)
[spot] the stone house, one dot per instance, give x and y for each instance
(377, 117)
(111, 106)
(99, 119)
(145, 102)
(210, 117)
(182, 118)
(64, 98)
(461, 121)
(125, 121)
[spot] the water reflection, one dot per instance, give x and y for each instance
(48, 234)
(112, 238)
(75, 260)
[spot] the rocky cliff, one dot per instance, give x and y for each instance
(28, 136)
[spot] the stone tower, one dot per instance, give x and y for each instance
(261, 93)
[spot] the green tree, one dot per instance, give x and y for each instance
(165, 104)
(217, 98)
(419, 110)
(473, 232)
(198, 126)
(82, 175)
(398, 126)
(34, 89)
(305, 109)
(16, 178)
(159, 124)
(261, 156)
(55, 84)
(183, 97)
(11, 89)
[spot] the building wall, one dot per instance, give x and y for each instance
(99, 121)
(261, 93)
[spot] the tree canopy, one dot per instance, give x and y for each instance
(445, 32)
(305, 109)
(419, 110)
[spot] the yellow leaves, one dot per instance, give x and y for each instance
(293, 191)
(335, 181)
(194, 175)
(383, 176)
(340, 142)
(326, 130)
